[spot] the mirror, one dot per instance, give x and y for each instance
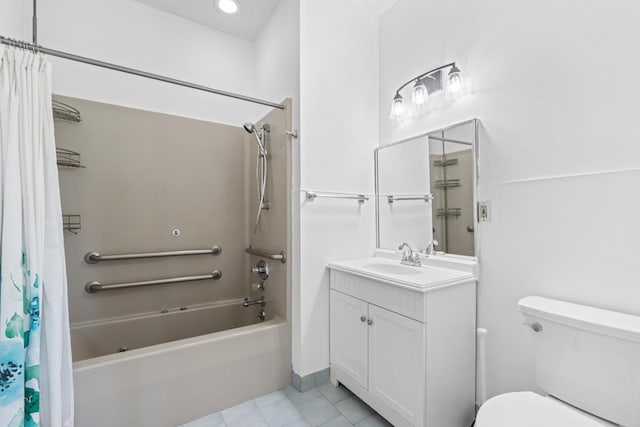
(426, 190)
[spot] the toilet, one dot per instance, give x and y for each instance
(588, 364)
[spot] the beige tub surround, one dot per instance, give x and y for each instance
(146, 175)
(169, 323)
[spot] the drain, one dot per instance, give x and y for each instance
(123, 349)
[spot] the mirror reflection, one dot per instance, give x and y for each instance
(430, 199)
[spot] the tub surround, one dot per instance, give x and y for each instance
(145, 173)
(402, 338)
(164, 355)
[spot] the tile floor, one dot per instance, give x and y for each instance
(325, 406)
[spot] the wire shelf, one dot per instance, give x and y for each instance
(68, 158)
(65, 112)
(71, 223)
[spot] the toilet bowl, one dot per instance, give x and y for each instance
(528, 409)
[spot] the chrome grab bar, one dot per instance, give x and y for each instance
(425, 197)
(312, 195)
(95, 257)
(259, 301)
(93, 287)
(282, 256)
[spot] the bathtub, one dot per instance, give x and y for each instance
(179, 365)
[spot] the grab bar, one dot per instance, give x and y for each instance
(95, 286)
(282, 256)
(95, 257)
(425, 197)
(312, 195)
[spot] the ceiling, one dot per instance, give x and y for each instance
(246, 24)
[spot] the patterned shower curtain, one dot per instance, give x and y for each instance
(35, 353)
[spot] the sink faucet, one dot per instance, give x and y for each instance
(431, 247)
(409, 257)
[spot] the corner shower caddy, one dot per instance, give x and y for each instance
(65, 112)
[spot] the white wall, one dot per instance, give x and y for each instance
(11, 23)
(553, 86)
(339, 107)
(277, 57)
(131, 34)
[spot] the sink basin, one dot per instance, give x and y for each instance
(392, 269)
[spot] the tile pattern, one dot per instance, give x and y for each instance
(325, 405)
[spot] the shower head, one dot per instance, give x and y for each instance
(249, 127)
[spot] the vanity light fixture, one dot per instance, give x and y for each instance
(427, 83)
(229, 7)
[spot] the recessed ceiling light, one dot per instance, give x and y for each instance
(228, 6)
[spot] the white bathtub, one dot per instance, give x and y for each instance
(180, 365)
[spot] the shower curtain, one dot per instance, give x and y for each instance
(35, 351)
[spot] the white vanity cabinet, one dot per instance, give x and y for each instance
(349, 336)
(380, 350)
(406, 349)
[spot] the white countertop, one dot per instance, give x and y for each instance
(392, 271)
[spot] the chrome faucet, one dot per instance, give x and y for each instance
(431, 247)
(409, 257)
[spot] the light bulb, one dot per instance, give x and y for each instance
(455, 88)
(397, 108)
(420, 93)
(228, 6)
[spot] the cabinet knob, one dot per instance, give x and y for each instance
(362, 318)
(369, 322)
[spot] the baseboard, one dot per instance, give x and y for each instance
(310, 381)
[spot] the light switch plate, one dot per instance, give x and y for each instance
(484, 211)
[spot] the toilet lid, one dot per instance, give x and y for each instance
(528, 409)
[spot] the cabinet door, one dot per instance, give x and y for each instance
(348, 336)
(397, 362)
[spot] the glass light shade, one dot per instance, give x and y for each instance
(455, 88)
(420, 93)
(397, 108)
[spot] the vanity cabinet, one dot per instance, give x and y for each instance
(408, 353)
(381, 350)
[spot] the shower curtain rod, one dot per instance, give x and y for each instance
(36, 48)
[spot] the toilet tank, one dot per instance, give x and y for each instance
(587, 357)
